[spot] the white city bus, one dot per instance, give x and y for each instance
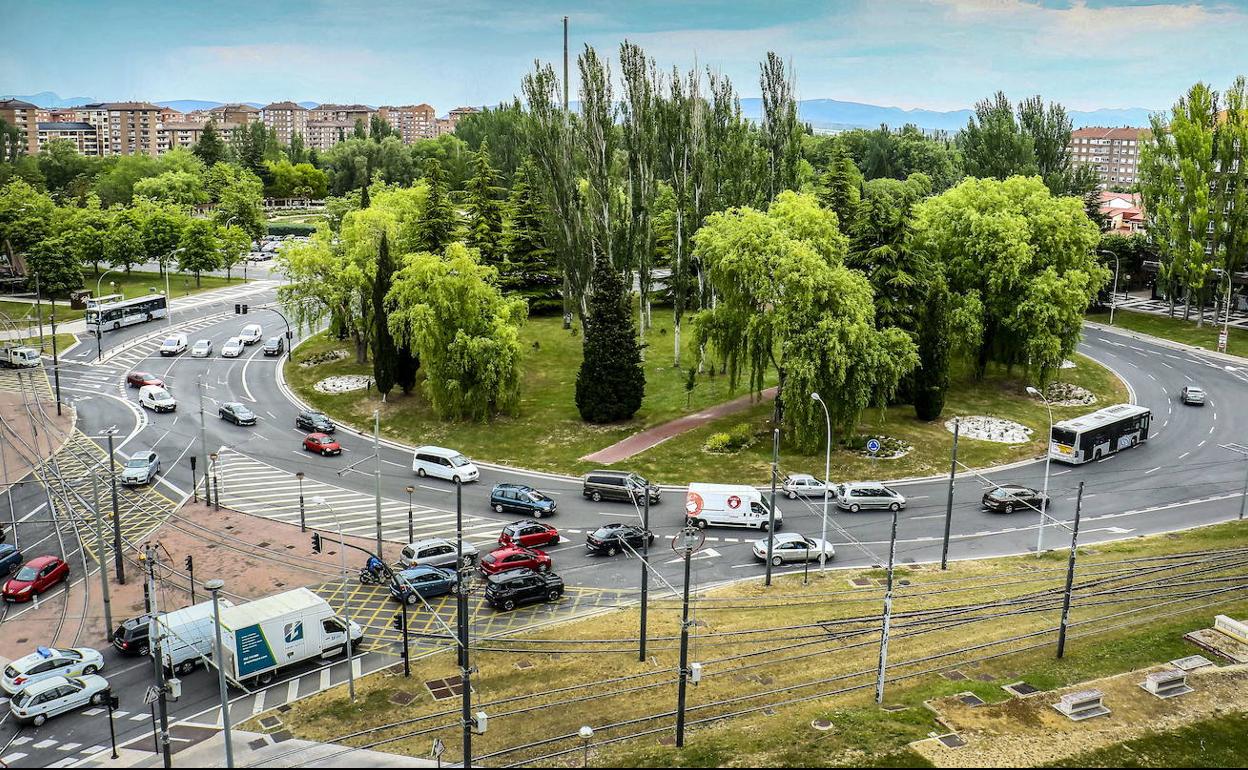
(106, 316)
(1100, 434)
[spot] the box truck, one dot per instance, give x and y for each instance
(260, 637)
(728, 505)
(18, 357)
(186, 636)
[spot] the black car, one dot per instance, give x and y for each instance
(131, 637)
(314, 422)
(619, 485)
(519, 498)
(508, 590)
(1011, 497)
(274, 346)
(610, 539)
(11, 559)
(236, 413)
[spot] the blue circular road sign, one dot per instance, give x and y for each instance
(873, 445)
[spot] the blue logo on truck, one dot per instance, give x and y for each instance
(254, 653)
(294, 632)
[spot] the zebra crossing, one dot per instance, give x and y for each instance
(69, 752)
(146, 347)
(259, 489)
(1161, 307)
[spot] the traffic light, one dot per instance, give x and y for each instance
(190, 563)
(397, 622)
(240, 308)
(244, 310)
(316, 542)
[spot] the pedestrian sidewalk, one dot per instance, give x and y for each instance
(652, 437)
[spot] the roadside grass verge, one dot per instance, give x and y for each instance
(1176, 329)
(1218, 742)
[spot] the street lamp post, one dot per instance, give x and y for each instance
(346, 610)
(168, 295)
(118, 557)
(587, 734)
(303, 526)
(827, 476)
(1048, 458)
(56, 363)
(99, 322)
(1113, 297)
(410, 530)
(215, 585)
(216, 485)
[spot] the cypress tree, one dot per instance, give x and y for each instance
(931, 379)
(485, 213)
(365, 200)
(839, 187)
(384, 353)
(611, 381)
(405, 368)
(526, 268)
(210, 148)
(436, 228)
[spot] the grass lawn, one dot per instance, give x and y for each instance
(1176, 329)
(63, 341)
(1218, 742)
(807, 652)
(549, 435)
(141, 282)
(23, 313)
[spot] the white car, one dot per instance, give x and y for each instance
(804, 485)
(201, 349)
(58, 695)
(251, 334)
(233, 348)
(173, 345)
(157, 399)
(47, 662)
(141, 468)
(436, 552)
(442, 463)
(791, 546)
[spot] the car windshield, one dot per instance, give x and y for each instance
(537, 497)
(137, 462)
(160, 393)
(202, 344)
(171, 341)
(606, 532)
(1196, 391)
(26, 573)
(459, 461)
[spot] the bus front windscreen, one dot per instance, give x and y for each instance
(1063, 436)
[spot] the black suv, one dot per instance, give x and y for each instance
(518, 498)
(131, 637)
(618, 485)
(274, 346)
(610, 538)
(314, 422)
(508, 590)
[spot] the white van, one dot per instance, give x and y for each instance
(251, 334)
(173, 345)
(156, 398)
(186, 635)
(443, 463)
(728, 505)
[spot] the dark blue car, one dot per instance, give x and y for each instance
(10, 559)
(518, 498)
(411, 584)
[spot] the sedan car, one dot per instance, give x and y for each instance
(38, 576)
(10, 559)
(1010, 497)
(611, 538)
(57, 695)
(236, 413)
(512, 557)
(863, 496)
(437, 552)
(528, 534)
(1193, 395)
(47, 662)
(201, 349)
(314, 421)
(233, 348)
(794, 547)
(141, 468)
(139, 379)
(413, 583)
(322, 444)
(518, 498)
(508, 590)
(803, 485)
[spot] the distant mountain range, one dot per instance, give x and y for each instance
(824, 114)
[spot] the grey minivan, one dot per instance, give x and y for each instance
(871, 495)
(619, 485)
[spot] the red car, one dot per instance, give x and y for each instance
(323, 443)
(528, 534)
(38, 576)
(511, 557)
(139, 379)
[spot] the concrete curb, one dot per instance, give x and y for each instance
(1165, 343)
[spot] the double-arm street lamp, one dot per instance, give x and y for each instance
(1048, 457)
(827, 483)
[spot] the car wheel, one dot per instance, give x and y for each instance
(412, 598)
(650, 540)
(699, 523)
(553, 541)
(324, 453)
(98, 698)
(508, 605)
(854, 508)
(792, 495)
(762, 526)
(89, 670)
(612, 551)
(1009, 507)
(823, 557)
(895, 507)
(554, 595)
(596, 497)
(144, 651)
(498, 508)
(776, 561)
(39, 720)
(455, 479)
(266, 677)
(420, 472)
(539, 513)
(185, 667)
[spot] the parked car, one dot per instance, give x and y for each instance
(436, 552)
(1009, 497)
(619, 485)
(410, 584)
(610, 538)
(442, 463)
(519, 498)
(528, 534)
(47, 662)
(233, 348)
(314, 421)
(58, 695)
(236, 413)
(157, 398)
(37, 576)
(173, 345)
(804, 485)
(251, 334)
(855, 497)
(133, 635)
(1193, 395)
(321, 444)
(141, 468)
(508, 590)
(201, 349)
(139, 379)
(274, 346)
(794, 547)
(10, 559)
(514, 557)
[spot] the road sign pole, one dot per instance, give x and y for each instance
(56, 364)
(118, 558)
(888, 614)
(113, 703)
(101, 555)
(1244, 500)
(771, 514)
(645, 575)
(162, 704)
(953, 469)
(684, 644)
(461, 623)
(346, 615)
(1070, 576)
(377, 475)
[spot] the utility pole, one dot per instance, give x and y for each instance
(691, 540)
(149, 555)
(645, 574)
(101, 551)
(377, 475)
(888, 614)
(771, 514)
(400, 624)
(565, 64)
(461, 623)
(39, 310)
(203, 437)
(303, 525)
(118, 559)
(953, 470)
(1070, 576)
(215, 585)
(56, 364)
(342, 551)
(410, 523)
(216, 485)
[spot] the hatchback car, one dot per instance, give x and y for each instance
(528, 534)
(611, 538)
(518, 498)
(141, 468)
(1193, 395)
(10, 559)
(233, 348)
(794, 547)
(131, 637)
(803, 485)
(619, 485)
(513, 557)
(437, 552)
(201, 349)
(321, 444)
(508, 590)
(411, 584)
(274, 346)
(236, 413)
(1008, 498)
(57, 695)
(139, 379)
(47, 662)
(857, 497)
(37, 576)
(314, 421)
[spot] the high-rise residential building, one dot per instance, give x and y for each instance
(324, 134)
(241, 114)
(186, 133)
(285, 119)
(413, 122)
(447, 125)
(1113, 152)
(126, 128)
(342, 113)
(170, 115)
(84, 136)
(24, 117)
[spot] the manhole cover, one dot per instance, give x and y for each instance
(441, 689)
(895, 707)
(270, 723)
(281, 736)
(822, 725)
(970, 699)
(952, 740)
(954, 676)
(904, 582)
(402, 697)
(1020, 688)
(257, 744)
(282, 709)
(861, 582)
(769, 711)
(523, 664)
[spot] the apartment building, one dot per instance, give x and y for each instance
(285, 120)
(447, 125)
(126, 128)
(242, 114)
(1113, 152)
(324, 134)
(23, 116)
(85, 136)
(186, 133)
(413, 122)
(341, 113)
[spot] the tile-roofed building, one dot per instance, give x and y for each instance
(186, 133)
(126, 128)
(1113, 152)
(286, 119)
(25, 118)
(85, 136)
(324, 134)
(413, 122)
(235, 113)
(447, 125)
(1123, 212)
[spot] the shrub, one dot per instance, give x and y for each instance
(290, 228)
(741, 436)
(718, 442)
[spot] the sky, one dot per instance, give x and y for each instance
(934, 54)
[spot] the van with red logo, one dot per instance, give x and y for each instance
(729, 505)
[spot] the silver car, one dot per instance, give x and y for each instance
(233, 348)
(201, 349)
(141, 468)
(436, 552)
(1192, 394)
(794, 547)
(57, 695)
(803, 485)
(860, 496)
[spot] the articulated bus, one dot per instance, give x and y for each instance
(107, 316)
(1100, 434)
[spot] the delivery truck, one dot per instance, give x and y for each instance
(728, 505)
(263, 636)
(186, 636)
(18, 357)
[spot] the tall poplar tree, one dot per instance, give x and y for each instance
(528, 268)
(782, 134)
(384, 353)
(641, 139)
